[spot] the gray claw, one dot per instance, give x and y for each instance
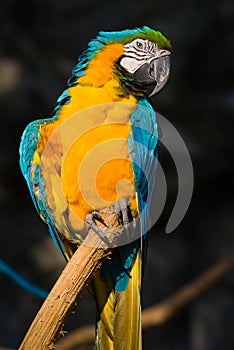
(125, 216)
(90, 223)
(121, 208)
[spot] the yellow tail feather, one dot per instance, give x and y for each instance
(119, 313)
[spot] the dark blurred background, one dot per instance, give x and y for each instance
(39, 44)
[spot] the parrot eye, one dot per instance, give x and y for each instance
(139, 45)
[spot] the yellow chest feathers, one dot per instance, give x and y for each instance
(87, 156)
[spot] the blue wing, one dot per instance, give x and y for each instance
(144, 144)
(143, 151)
(28, 147)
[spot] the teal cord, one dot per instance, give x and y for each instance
(21, 281)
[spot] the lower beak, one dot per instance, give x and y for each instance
(154, 75)
(159, 71)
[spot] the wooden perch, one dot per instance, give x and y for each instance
(161, 312)
(49, 321)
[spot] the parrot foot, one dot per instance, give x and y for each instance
(90, 224)
(125, 216)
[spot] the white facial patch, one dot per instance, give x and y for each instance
(139, 52)
(130, 64)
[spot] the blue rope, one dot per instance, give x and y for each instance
(21, 281)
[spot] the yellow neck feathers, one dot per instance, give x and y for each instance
(100, 69)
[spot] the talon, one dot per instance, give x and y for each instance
(126, 217)
(96, 216)
(124, 210)
(118, 212)
(134, 216)
(90, 223)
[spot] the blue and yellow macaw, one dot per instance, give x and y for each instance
(108, 95)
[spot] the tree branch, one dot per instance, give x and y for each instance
(166, 309)
(161, 312)
(49, 321)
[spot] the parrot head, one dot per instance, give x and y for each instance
(146, 59)
(139, 59)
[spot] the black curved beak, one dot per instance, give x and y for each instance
(156, 74)
(160, 72)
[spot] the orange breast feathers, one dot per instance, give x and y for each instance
(85, 162)
(97, 170)
(84, 156)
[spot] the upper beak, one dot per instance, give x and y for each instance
(155, 72)
(159, 71)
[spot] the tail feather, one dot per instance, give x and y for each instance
(119, 313)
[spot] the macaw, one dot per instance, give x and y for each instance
(108, 92)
